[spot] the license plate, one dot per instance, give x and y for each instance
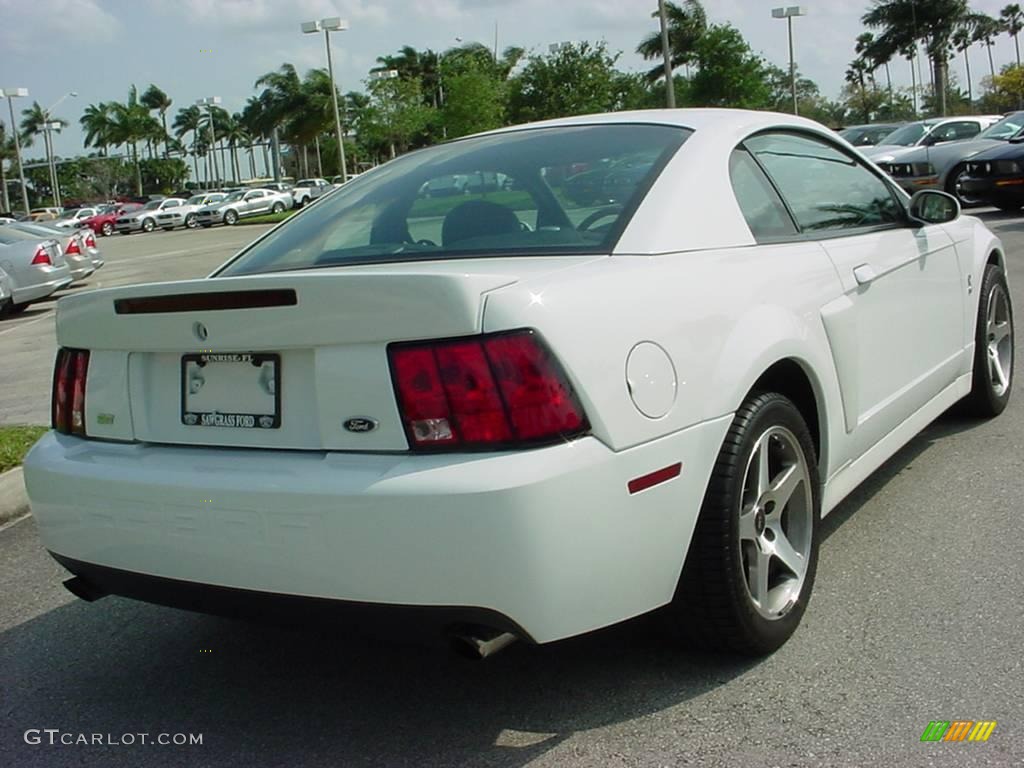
(241, 390)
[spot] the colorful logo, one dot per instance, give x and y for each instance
(958, 730)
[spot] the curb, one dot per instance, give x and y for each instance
(13, 499)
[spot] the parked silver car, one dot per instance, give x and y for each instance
(35, 266)
(928, 133)
(70, 219)
(71, 244)
(144, 219)
(308, 190)
(942, 167)
(185, 215)
(6, 293)
(240, 205)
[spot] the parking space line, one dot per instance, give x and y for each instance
(48, 313)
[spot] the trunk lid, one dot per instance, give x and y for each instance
(318, 340)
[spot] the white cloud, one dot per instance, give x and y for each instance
(273, 13)
(77, 19)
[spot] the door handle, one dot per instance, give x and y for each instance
(864, 274)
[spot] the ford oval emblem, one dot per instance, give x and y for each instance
(360, 424)
(200, 331)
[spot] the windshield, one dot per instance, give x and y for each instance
(908, 135)
(534, 192)
(195, 200)
(1005, 128)
(305, 183)
(232, 197)
(152, 205)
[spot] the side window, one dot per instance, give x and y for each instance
(170, 204)
(825, 188)
(762, 208)
(961, 129)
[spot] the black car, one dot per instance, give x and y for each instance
(996, 176)
(868, 135)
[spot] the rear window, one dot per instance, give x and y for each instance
(565, 190)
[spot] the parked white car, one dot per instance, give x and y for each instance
(144, 219)
(185, 215)
(71, 219)
(308, 190)
(537, 421)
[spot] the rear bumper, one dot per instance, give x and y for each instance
(56, 280)
(549, 539)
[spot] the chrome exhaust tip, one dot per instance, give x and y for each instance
(83, 590)
(479, 643)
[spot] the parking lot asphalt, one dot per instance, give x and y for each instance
(917, 615)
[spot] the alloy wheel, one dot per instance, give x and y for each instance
(775, 522)
(999, 337)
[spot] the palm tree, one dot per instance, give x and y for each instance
(6, 153)
(234, 133)
(254, 118)
(283, 100)
(32, 120)
(986, 30)
(909, 52)
(189, 119)
(873, 58)
(154, 98)
(132, 124)
(904, 22)
(963, 39)
(1012, 19)
(686, 25)
(97, 123)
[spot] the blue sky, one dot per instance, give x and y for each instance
(197, 48)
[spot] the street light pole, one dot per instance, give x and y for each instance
(54, 125)
(208, 102)
(333, 24)
(788, 13)
(10, 94)
(670, 89)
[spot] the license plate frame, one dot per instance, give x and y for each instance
(223, 419)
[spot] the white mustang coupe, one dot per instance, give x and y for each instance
(630, 366)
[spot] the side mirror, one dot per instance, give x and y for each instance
(929, 206)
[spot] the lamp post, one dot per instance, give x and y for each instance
(670, 89)
(10, 94)
(209, 103)
(788, 13)
(332, 24)
(48, 128)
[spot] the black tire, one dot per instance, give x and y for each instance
(206, 226)
(989, 396)
(5, 308)
(230, 218)
(952, 186)
(1008, 207)
(190, 221)
(278, 207)
(148, 225)
(16, 309)
(713, 607)
(107, 229)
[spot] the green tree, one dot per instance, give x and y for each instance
(1005, 90)
(986, 30)
(154, 98)
(905, 22)
(132, 123)
(474, 102)
(6, 153)
(687, 23)
(32, 120)
(575, 79)
(98, 125)
(395, 116)
(189, 120)
(728, 73)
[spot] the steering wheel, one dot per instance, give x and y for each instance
(424, 241)
(611, 210)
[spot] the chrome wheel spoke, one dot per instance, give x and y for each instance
(788, 555)
(763, 472)
(996, 366)
(748, 530)
(998, 331)
(783, 488)
(757, 576)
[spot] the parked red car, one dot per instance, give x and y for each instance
(103, 223)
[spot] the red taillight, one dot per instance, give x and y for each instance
(90, 240)
(42, 256)
(489, 391)
(70, 372)
(73, 249)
